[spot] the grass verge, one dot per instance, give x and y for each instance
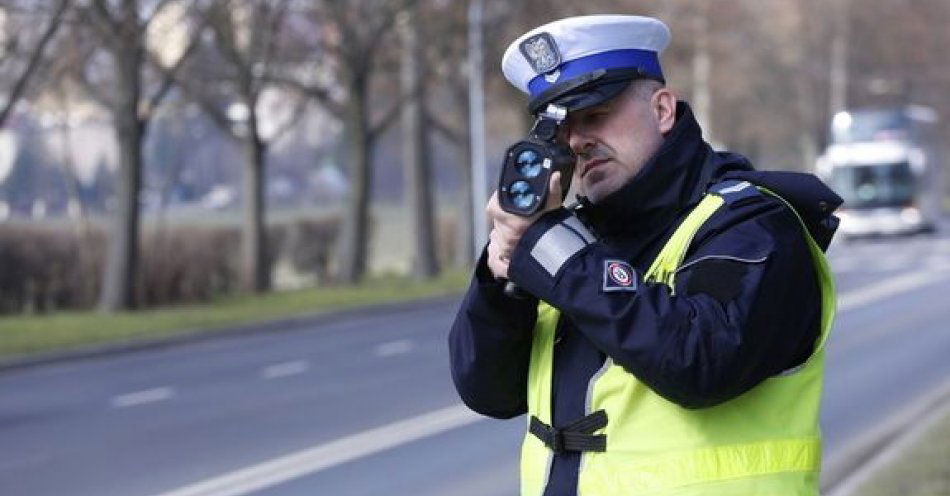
(24, 335)
(923, 469)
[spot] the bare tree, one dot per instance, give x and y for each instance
(246, 38)
(33, 56)
(121, 85)
(348, 42)
(70, 175)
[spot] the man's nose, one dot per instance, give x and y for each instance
(580, 142)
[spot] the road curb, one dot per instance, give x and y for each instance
(861, 459)
(283, 324)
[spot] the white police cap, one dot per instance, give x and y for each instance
(586, 59)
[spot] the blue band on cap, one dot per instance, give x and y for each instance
(644, 60)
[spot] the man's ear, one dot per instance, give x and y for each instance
(664, 104)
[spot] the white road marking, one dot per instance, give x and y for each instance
(888, 287)
(394, 348)
(142, 397)
(324, 456)
(285, 369)
(839, 265)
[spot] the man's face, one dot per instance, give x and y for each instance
(615, 139)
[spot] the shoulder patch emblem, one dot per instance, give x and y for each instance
(541, 51)
(619, 276)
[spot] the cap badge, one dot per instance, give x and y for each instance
(541, 51)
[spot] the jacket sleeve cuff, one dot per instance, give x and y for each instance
(549, 245)
(492, 294)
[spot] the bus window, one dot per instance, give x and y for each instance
(874, 186)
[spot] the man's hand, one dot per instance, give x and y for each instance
(507, 228)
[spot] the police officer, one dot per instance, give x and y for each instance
(673, 340)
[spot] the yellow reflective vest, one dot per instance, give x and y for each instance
(763, 442)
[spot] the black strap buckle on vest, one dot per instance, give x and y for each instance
(576, 436)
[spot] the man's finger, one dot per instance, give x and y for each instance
(554, 192)
(511, 229)
(497, 263)
(492, 206)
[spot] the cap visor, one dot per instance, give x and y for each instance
(590, 97)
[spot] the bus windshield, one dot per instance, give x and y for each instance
(871, 125)
(874, 186)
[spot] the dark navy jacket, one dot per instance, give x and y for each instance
(747, 303)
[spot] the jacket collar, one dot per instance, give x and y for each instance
(673, 179)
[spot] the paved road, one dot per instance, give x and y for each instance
(294, 412)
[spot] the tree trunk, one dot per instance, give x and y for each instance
(355, 235)
(416, 156)
(75, 208)
(118, 288)
(254, 258)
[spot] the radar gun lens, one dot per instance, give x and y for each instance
(528, 163)
(521, 195)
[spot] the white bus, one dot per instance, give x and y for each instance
(886, 165)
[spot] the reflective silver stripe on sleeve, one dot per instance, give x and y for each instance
(576, 224)
(734, 189)
(555, 247)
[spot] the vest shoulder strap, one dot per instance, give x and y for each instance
(663, 268)
(732, 192)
